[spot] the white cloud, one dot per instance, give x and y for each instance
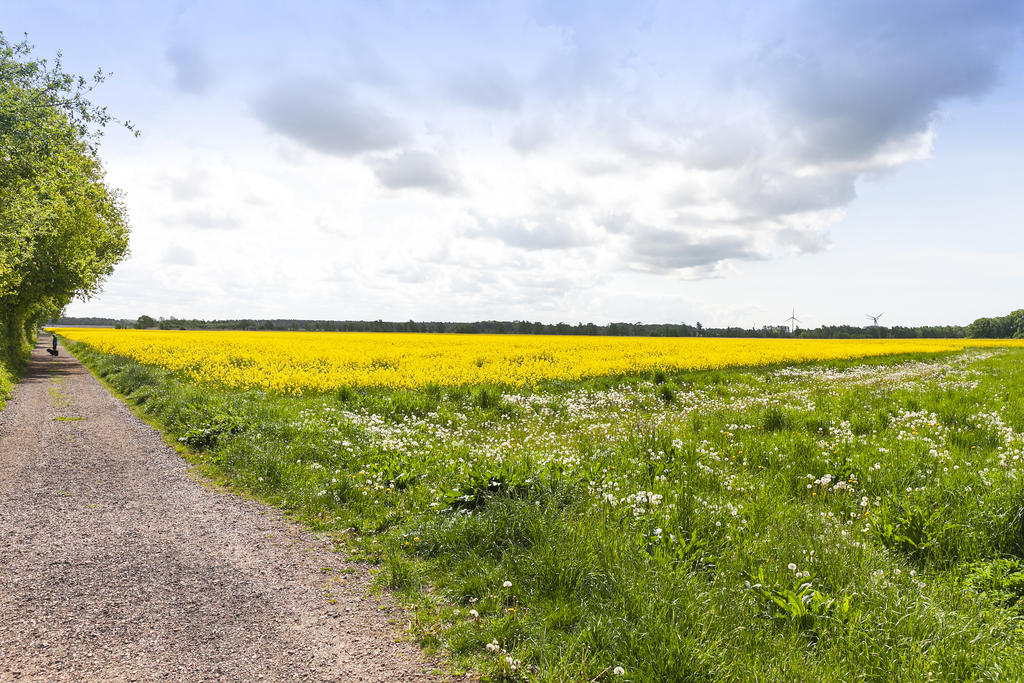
(540, 231)
(192, 71)
(491, 87)
(179, 256)
(325, 118)
(416, 169)
(850, 79)
(530, 136)
(661, 249)
(396, 155)
(210, 220)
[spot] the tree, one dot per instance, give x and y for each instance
(1007, 326)
(62, 229)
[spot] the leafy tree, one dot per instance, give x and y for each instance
(1007, 326)
(62, 229)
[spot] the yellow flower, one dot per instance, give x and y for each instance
(300, 362)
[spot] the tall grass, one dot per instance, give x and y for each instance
(7, 379)
(13, 358)
(830, 521)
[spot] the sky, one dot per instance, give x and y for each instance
(660, 162)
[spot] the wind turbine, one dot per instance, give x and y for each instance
(874, 318)
(792, 320)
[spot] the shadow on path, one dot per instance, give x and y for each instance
(42, 366)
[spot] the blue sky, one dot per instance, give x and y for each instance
(718, 162)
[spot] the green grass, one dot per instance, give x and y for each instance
(839, 521)
(7, 381)
(12, 365)
(15, 349)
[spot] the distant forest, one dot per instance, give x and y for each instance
(1008, 326)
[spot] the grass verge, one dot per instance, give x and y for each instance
(7, 381)
(12, 365)
(849, 520)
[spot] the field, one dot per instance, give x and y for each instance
(666, 518)
(297, 362)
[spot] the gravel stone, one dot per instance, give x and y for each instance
(119, 563)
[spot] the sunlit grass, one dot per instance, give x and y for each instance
(840, 521)
(6, 384)
(12, 364)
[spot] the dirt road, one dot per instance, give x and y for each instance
(116, 564)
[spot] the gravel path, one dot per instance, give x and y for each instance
(116, 564)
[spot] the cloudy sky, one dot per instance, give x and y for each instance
(711, 161)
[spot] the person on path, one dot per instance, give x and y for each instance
(54, 341)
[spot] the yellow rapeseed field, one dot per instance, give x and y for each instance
(297, 362)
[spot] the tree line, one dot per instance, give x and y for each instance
(1010, 326)
(619, 329)
(62, 228)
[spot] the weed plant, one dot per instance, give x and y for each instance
(6, 384)
(835, 521)
(13, 360)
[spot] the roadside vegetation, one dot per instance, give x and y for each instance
(837, 520)
(62, 229)
(6, 384)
